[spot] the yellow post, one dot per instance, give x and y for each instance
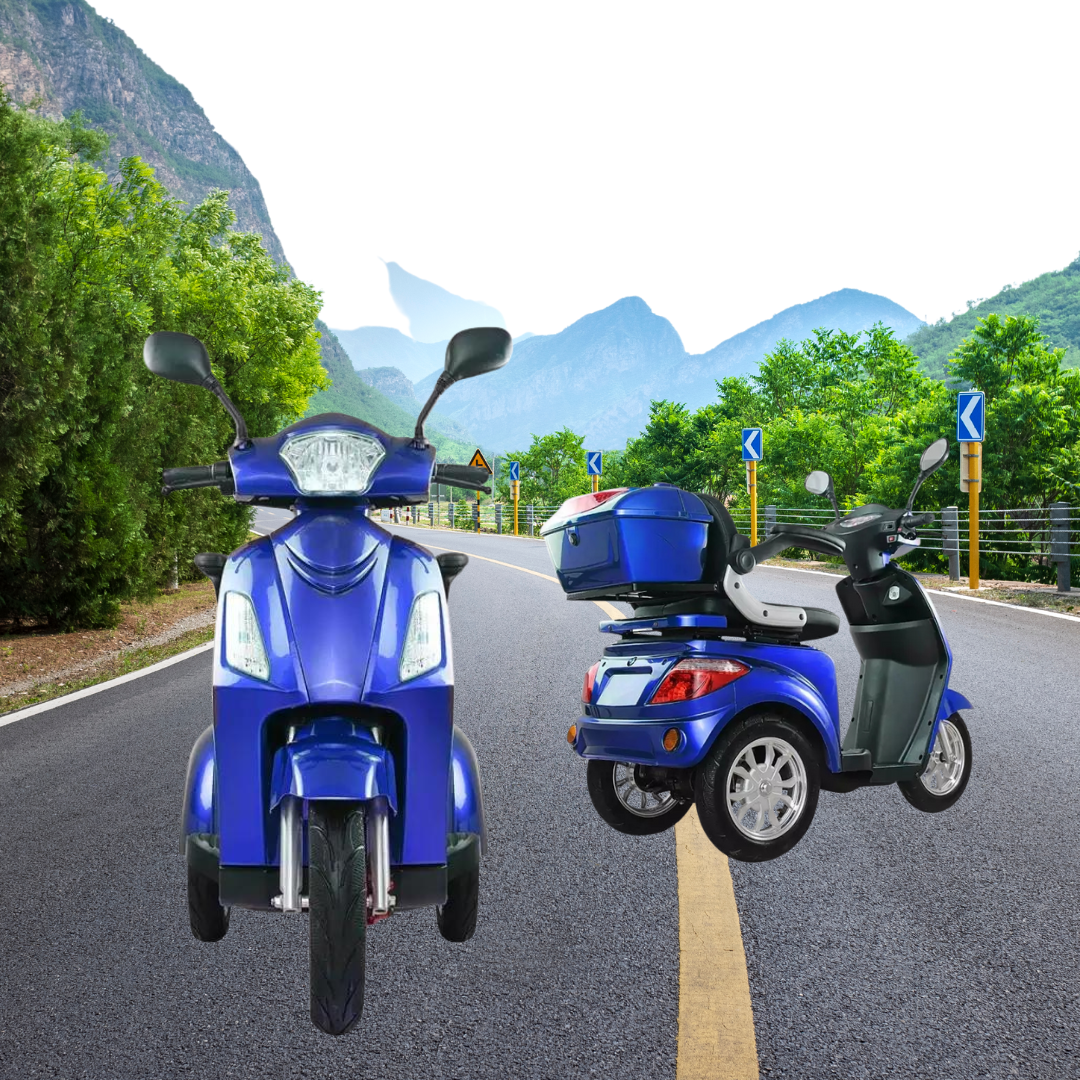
(595, 483)
(974, 451)
(753, 502)
(516, 489)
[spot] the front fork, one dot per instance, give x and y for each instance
(291, 857)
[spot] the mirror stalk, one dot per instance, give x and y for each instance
(242, 440)
(441, 385)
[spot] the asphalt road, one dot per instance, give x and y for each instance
(887, 944)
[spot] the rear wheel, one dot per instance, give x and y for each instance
(757, 789)
(457, 917)
(337, 889)
(627, 806)
(948, 769)
(209, 920)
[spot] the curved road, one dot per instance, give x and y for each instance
(887, 944)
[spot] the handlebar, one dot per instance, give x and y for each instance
(786, 536)
(914, 521)
(218, 475)
(462, 476)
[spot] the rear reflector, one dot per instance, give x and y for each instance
(590, 682)
(571, 735)
(690, 679)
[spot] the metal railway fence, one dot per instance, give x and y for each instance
(1046, 536)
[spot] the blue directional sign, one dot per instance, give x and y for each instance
(751, 444)
(515, 471)
(970, 416)
(594, 462)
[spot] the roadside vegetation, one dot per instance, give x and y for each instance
(90, 265)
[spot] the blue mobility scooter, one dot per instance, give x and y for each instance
(333, 779)
(713, 697)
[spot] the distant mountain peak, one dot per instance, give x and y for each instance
(434, 313)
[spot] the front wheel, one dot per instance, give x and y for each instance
(337, 888)
(209, 920)
(457, 917)
(948, 769)
(628, 807)
(757, 789)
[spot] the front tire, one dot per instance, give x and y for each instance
(457, 917)
(337, 889)
(757, 789)
(209, 920)
(947, 771)
(627, 807)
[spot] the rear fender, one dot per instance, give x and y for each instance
(199, 815)
(466, 797)
(333, 759)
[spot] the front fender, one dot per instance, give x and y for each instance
(952, 701)
(199, 812)
(467, 799)
(333, 760)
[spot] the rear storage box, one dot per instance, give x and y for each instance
(642, 540)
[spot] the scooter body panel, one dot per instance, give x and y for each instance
(198, 815)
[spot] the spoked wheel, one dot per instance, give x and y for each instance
(337, 888)
(757, 789)
(209, 920)
(948, 769)
(624, 805)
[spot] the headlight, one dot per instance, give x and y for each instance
(244, 649)
(332, 462)
(423, 646)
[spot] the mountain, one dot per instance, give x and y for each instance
(383, 346)
(599, 375)
(1053, 297)
(433, 313)
(394, 384)
(351, 395)
(64, 54)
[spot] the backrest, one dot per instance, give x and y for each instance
(724, 538)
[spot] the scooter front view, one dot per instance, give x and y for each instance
(712, 697)
(333, 779)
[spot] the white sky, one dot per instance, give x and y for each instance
(720, 160)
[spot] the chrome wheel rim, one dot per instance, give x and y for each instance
(766, 789)
(945, 769)
(643, 804)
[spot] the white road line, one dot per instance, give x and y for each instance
(97, 688)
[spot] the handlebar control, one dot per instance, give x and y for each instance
(185, 477)
(463, 476)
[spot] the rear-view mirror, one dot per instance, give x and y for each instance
(933, 457)
(179, 357)
(817, 483)
(477, 351)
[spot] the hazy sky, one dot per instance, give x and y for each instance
(722, 161)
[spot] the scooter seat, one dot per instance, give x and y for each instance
(819, 623)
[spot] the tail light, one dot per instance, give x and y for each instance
(690, 679)
(590, 682)
(580, 504)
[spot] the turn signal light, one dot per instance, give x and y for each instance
(590, 682)
(571, 735)
(672, 738)
(690, 679)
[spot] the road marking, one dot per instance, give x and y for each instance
(716, 1018)
(55, 703)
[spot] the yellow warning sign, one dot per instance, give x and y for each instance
(478, 461)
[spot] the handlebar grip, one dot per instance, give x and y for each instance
(465, 476)
(913, 521)
(195, 476)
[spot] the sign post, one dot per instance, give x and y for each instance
(971, 431)
(594, 466)
(515, 489)
(752, 452)
(478, 461)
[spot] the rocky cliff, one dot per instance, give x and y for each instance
(64, 55)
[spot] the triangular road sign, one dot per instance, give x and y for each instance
(478, 461)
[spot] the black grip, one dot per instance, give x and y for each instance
(196, 476)
(464, 476)
(913, 521)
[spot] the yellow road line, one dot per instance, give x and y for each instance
(716, 1018)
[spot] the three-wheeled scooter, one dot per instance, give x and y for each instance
(333, 779)
(713, 697)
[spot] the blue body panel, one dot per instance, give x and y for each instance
(619, 726)
(466, 797)
(198, 813)
(333, 759)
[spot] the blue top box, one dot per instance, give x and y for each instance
(629, 540)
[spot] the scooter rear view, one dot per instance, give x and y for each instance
(712, 697)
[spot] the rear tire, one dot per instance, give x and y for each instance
(757, 789)
(457, 917)
(209, 920)
(947, 771)
(337, 888)
(628, 808)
